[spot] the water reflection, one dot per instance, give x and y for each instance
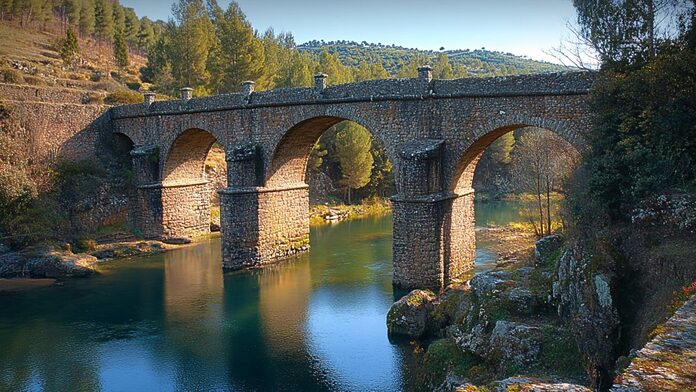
(175, 322)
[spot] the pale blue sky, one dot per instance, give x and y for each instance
(522, 27)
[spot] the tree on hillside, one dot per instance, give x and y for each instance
(86, 21)
(353, 144)
(331, 65)
(442, 68)
(191, 41)
(103, 21)
(241, 51)
(72, 10)
(120, 51)
(69, 48)
(298, 73)
(146, 35)
(132, 27)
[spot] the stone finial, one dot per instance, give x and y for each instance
(186, 93)
(425, 72)
(320, 81)
(248, 87)
(148, 98)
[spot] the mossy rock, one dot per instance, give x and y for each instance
(410, 316)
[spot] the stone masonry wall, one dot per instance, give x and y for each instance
(263, 225)
(186, 210)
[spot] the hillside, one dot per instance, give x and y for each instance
(31, 57)
(478, 62)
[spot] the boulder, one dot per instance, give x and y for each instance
(491, 283)
(60, 265)
(410, 315)
(514, 345)
(527, 384)
(545, 246)
(177, 240)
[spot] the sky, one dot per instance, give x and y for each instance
(522, 27)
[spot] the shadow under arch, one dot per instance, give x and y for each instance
(184, 160)
(184, 186)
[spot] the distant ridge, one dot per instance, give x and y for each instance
(478, 62)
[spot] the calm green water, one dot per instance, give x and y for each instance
(175, 322)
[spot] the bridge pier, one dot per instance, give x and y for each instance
(434, 240)
(260, 225)
(165, 210)
(263, 225)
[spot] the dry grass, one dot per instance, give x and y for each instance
(40, 64)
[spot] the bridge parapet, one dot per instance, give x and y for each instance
(567, 83)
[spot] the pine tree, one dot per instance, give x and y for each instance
(132, 27)
(353, 144)
(86, 17)
(69, 48)
(241, 51)
(146, 35)
(331, 65)
(73, 9)
(103, 21)
(120, 50)
(191, 42)
(118, 15)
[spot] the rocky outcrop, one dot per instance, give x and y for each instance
(582, 291)
(411, 315)
(46, 264)
(525, 384)
(668, 361)
(514, 344)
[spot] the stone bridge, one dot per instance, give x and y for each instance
(434, 132)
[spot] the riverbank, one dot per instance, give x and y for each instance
(323, 214)
(45, 265)
(498, 331)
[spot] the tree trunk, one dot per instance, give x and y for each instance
(541, 208)
(548, 203)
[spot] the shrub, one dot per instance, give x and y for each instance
(93, 98)
(11, 76)
(123, 97)
(86, 245)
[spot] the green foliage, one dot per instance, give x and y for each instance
(69, 48)
(353, 144)
(559, 352)
(123, 97)
(240, 54)
(644, 131)
(501, 149)
(120, 50)
(443, 357)
(103, 20)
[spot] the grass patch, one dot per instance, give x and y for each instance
(559, 352)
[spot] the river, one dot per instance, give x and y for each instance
(174, 321)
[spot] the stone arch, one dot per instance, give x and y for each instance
(288, 163)
(485, 135)
(184, 186)
(184, 160)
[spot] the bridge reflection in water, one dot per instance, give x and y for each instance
(174, 321)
